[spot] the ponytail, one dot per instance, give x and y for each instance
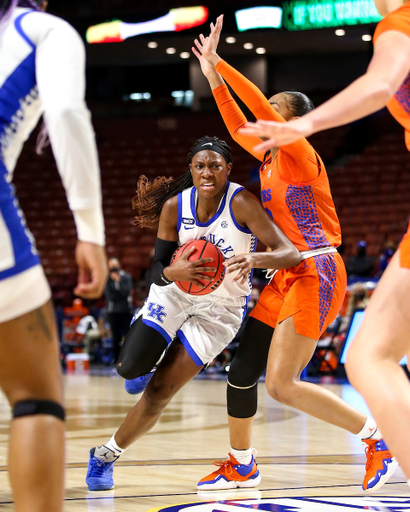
(151, 197)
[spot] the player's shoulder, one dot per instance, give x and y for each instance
(38, 24)
(242, 197)
(398, 20)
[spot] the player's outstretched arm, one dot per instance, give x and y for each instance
(387, 70)
(232, 115)
(250, 213)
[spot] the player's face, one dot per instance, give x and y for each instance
(209, 173)
(280, 103)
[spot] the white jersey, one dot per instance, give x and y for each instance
(42, 70)
(223, 231)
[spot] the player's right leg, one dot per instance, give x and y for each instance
(372, 362)
(249, 363)
(30, 377)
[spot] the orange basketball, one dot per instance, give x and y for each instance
(204, 249)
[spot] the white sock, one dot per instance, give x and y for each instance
(370, 430)
(408, 482)
(242, 456)
(110, 451)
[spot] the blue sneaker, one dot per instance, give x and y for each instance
(136, 386)
(99, 474)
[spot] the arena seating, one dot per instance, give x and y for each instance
(370, 190)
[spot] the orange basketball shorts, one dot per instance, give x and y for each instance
(404, 249)
(312, 293)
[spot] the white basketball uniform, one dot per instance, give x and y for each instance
(205, 324)
(42, 70)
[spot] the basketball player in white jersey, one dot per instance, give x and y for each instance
(202, 204)
(41, 71)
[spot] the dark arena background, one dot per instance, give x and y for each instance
(149, 103)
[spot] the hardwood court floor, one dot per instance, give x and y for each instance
(297, 455)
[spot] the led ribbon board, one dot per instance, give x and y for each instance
(304, 15)
(175, 21)
(258, 17)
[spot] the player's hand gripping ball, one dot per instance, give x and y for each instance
(203, 250)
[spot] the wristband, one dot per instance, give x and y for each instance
(167, 281)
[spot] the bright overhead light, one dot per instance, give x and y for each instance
(259, 17)
(171, 51)
(366, 37)
(248, 46)
(184, 55)
(340, 32)
(260, 50)
(230, 40)
(138, 96)
(153, 44)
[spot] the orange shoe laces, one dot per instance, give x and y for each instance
(370, 452)
(225, 465)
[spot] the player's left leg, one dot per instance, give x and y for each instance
(293, 345)
(372, 362)
(289, 354)
(175, 370)
(31, 379)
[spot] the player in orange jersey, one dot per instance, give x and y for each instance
(384, 335)
(299, 303)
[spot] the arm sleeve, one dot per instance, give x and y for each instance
(260, 107)
(164, 250)
(60, 71)
(234, 120)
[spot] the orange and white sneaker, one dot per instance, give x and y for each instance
(231, 475)
(380, 464)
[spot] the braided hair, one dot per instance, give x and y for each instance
(151, 197)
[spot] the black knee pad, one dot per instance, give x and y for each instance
(242, 402)
(247, 367)
(250, 359)
(142, 348)
(32, 407)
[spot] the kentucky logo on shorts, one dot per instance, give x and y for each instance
(156, 311)
(304, 504)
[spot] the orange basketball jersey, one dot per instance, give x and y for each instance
(295, 188)
(304, 211)
(399, 104)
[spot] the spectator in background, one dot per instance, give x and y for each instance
(119, 305)
(388, 250)
(360, 265)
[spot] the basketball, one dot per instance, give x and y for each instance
(204, 249)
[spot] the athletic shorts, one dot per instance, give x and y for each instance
(404, 249)
(23, 292)
(204, 327)
(312, 293)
